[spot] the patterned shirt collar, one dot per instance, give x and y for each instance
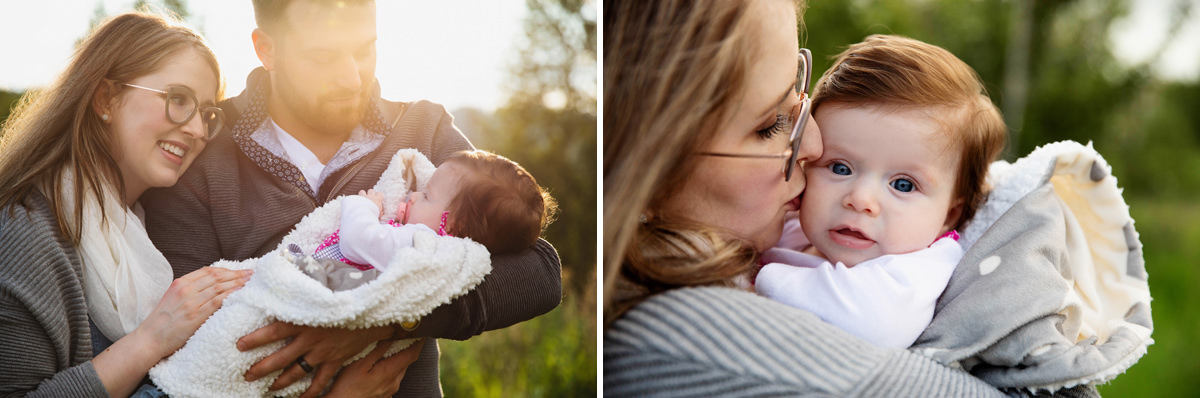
(274, 161)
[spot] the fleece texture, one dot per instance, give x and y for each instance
(1052, 292)
(417, 279)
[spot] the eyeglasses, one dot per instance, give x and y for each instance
(182, 106)
(798, 117)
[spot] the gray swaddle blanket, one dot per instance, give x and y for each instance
(1052, 291)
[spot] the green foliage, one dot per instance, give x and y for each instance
(549, 127)
(1147, 129)
(558, 54)
(553, 355)
(557, 144)
(559, 148)
(1154, 148)
(1169, 367)
(8, 100)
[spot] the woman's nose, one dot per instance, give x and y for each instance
(195, 126)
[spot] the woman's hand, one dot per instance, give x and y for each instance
(375, 376)
(188, 302)
(325, 349)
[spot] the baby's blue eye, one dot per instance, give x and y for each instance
(903, 185)
(840, 169)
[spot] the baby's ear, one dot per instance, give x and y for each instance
(952, 215)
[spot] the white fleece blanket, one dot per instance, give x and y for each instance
(418, 279)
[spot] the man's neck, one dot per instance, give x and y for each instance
(323, 144)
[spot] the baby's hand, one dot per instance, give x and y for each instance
(374, 197)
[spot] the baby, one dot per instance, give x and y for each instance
(487, 204)
(908, 133)
(473, 194)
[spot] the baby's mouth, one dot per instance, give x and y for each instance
(850, 238)
(852, 233)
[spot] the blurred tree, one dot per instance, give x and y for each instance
(549, 124)
(178, 7)
(1052, 66)
(558, 56)
(8, 101)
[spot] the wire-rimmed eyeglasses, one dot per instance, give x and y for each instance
(798, 116)
(182, 106)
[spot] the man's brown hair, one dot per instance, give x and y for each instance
(268, 14)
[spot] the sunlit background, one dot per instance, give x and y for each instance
(455, 52)
(518, 75)
(520, 78)
(1120, 73)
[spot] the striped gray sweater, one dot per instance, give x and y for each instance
(45, 346)
(720, 342)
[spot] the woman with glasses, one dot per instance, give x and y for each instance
(707, 132)
(87, 303)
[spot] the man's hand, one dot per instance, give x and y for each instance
(375, 376)
(325, 349)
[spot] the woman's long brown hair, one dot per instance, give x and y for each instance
(56, 129)
(674, 71)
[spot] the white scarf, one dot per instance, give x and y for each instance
(125, 276)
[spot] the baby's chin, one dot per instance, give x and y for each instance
(850, 263)
(835, 256)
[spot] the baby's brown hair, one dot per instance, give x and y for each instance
(499, 204)
(904, 73)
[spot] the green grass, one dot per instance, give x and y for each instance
(1170, 235)
(553, 355)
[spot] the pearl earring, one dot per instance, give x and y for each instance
(104, 117)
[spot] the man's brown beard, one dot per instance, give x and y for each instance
(322, 116)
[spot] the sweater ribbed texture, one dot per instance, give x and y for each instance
(228, 207)
(45, 345)
(719, 342)
(705, 342)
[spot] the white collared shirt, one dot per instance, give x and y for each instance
(279, 142)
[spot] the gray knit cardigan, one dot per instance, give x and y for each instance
(720, 342)
(45, 345)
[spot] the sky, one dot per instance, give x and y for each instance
(1137, 37)
(455, 53)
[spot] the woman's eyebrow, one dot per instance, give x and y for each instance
(202, 102)
(782, 99)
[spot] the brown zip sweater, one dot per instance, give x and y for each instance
(238, 201)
